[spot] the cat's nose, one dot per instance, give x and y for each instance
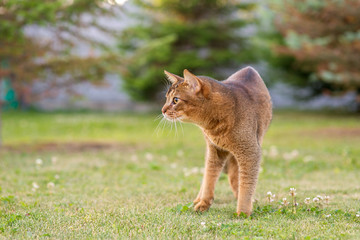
(164, 109)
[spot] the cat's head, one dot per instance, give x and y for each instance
(186, 97)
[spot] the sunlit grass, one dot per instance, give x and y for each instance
(142, 184)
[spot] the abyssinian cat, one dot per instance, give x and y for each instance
(233, 115)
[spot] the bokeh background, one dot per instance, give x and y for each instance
(110, 55)
(84, 152)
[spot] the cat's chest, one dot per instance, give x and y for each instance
(219, 140)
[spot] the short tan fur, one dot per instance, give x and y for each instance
(233, 115)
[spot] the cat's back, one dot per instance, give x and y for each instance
(248, 85)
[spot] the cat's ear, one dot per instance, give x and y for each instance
(193, 81)
(196, 84)
(172, 77)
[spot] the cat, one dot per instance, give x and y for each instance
(233, 115)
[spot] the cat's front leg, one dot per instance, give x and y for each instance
(213, 167)
(197, 199)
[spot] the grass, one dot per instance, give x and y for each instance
(114, 177)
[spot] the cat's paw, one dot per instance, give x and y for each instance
(242, 213)
(202, 206)
(196, 201)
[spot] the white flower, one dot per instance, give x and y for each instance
(295, 153)
(308, 158)
(180, 153)
(329, 215)
(219, 224)
(307, 201)
(53, 160)
(194, 170)
(270, 196)
(57, 176)
(285, 202)
(39, 162)
(149, 156)
(292, 192)
(316, 200)
(203, 224)
(50, 185)
(35, 185)
(326, 199)
(319, 197)
(134, 158)
(273, 152)
(358, 215)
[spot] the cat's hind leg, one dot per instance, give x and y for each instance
(233, 174)
(249, 164)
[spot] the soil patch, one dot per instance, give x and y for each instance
(337, 132)
(70, 147)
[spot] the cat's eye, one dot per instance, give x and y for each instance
(175, 100)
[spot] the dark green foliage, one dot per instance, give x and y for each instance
(202, 36)
(32, 58)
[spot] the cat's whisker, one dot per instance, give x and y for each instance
(165, 123)
(158, 127)
(175, 120)
(182, 129)
(158, 117)
(171, 124)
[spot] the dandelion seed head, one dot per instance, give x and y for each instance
(39, 162)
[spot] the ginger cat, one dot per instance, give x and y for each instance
(233, 115)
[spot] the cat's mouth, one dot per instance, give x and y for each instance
(172, 117)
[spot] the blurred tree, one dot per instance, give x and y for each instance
(204, 36)
(320, 39)
(31, 58)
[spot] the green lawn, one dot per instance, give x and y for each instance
(116, 176)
